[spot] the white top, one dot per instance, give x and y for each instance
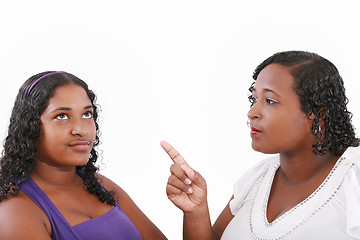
(332, 211)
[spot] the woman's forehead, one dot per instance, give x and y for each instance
(69, 95)
(274, 78)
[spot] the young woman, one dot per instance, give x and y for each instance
(49, 185)
(311, 188)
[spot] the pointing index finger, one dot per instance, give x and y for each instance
(176, 157)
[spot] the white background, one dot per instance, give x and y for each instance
(173, 70)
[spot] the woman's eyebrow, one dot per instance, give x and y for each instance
(270, 90)
(69, 109)
(61, 109)
(253, 89)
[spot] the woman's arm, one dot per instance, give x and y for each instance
(146, 228)
(193, 223)
(21, 218)
(187, 189)
(223, 220)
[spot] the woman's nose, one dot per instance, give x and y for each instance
(254, 112)
(79, 129)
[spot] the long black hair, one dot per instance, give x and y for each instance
(24, 129)
(321, 90)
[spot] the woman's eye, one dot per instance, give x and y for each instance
(88, 115)
(271, 101)
(62, 116)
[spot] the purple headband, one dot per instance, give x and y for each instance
(37, 80)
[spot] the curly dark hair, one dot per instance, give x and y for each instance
(321, 90)
(20, 149)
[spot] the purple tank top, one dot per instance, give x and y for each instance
(110, 226)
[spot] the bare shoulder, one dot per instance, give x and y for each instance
(106, 182)
(21, 218)
(111, 186)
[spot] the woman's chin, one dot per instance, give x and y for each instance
(262, 149)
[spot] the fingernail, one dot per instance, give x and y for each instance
(189, 191)
(187, 181)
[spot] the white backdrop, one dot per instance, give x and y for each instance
(172, 70)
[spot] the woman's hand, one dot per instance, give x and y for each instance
(186, 188)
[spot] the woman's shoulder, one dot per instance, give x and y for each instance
(20, 216)
(259, 169)
(248, 182)
(118, 193)
(352, 154)
(16, 204)
(351, 162)
(351, 158)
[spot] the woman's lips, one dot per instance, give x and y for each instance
(254, 131)
(80, 145)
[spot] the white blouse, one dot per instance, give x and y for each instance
(332, 211)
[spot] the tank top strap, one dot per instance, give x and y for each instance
(60, 230)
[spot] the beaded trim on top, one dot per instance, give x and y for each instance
(266, 200)
(267, 194)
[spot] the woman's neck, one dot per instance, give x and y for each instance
(53, 175)
(299, 168)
